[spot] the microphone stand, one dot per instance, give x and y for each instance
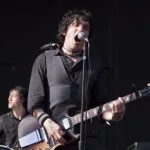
(81, 142)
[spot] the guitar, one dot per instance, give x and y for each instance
(69, 122)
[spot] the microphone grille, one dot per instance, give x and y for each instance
(81, 35)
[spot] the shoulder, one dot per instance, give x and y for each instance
(6, 115)
(39, 61)
(41, 58)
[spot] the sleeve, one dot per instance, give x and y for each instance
(104, 87)
(36, 95)
(101, 86)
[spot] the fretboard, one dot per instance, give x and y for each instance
(101, 109)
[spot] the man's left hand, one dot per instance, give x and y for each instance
(117, 110)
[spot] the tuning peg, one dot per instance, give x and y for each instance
(148, 84)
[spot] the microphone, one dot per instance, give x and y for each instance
(49, 46)
(81, 37)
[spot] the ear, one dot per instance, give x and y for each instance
(64, 33)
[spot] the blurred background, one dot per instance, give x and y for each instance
(121, 32)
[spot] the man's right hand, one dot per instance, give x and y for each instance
(54, 131)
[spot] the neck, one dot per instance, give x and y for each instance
(19, 113)
(71, 53)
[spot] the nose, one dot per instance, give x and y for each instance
(9, 98)
(80, 28)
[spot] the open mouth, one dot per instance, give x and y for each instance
(76, 39)
(77, 42)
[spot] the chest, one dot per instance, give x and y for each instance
(10, 125)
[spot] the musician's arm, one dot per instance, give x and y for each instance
(100, 90)
(37, 113)
(53, 129)
(36, 92)
(37, 101)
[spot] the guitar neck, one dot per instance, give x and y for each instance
(126, 99)
(99, 110)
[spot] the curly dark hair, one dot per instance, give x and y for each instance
(78, 15)
(23, 93)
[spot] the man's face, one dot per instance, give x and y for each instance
(14, 100)
(72, 31)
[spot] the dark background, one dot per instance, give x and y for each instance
(121, 32)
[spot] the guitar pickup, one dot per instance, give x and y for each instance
(66, 123)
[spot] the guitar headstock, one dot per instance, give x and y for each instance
(146, 90)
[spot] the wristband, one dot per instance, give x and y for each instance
(42, 118)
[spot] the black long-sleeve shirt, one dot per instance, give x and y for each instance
(37, 90)
(9, 128)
